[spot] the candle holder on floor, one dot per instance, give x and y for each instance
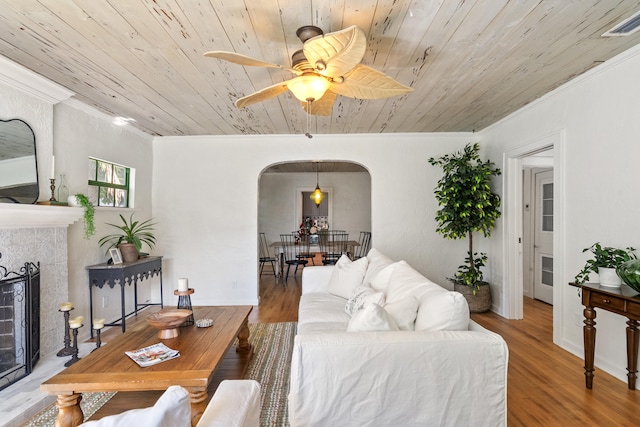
(184, 302)
(67, 350)
(74, 355)
(98, 342)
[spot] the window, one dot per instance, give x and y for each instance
(109, 183)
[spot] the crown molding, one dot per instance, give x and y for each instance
(23, 79)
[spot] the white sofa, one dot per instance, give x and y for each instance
(406, 355)
(236, 403)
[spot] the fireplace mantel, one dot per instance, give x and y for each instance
(37, 216)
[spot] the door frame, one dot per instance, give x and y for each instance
(512, 301)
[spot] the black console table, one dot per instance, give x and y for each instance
(124, 274)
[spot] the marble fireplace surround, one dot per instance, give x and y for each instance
(37, 233)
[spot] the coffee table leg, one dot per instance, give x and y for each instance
(243, 338)
(69, 412)
(198, 399)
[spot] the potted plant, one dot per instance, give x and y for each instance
(467, 205)
(130, 238)
(83, 201)
(605, 260)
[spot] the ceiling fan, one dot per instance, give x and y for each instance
(328, 65)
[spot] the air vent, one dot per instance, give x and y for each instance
(626, 27)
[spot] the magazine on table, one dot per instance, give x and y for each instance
(153, 354)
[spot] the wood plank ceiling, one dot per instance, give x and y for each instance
(470, 62)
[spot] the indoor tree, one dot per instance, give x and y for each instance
(467, 205)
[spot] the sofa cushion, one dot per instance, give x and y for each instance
(377, 261)
(321, 327)
(403, 312)
(373, 317)
(321, 307)
(347, 275)
(405, 281)
(443, 311)
(361, 296)
(380, 281)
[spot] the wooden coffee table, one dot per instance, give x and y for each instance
(110, 369)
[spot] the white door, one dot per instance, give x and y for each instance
(543, 237)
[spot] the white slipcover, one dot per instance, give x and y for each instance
(394, 378)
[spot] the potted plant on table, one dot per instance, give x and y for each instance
(605, 260)
(467, 205)
(130, 238)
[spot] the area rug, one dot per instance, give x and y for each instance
(272, 344)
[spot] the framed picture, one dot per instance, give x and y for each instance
(116, 256)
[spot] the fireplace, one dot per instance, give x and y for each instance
(19, 322)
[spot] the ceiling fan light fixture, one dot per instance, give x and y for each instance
(310, 87)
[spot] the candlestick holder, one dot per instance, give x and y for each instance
(98, 342)
(67, 350)
(53, 190)
(74, 355)
(184, 302)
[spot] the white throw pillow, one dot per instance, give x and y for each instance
(380, 282)
(405, 281)
(361, 296)
(377, 261)
(172, 409)
(403, 312)
(347, 275)
(370, 319)
(443, 311)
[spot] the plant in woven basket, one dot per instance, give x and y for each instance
(467, 205)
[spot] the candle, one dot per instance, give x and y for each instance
(183, 285)
(66, 306)
(76, 323)
(98, 324)
(53, 167)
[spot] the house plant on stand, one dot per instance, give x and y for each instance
(605, 261)
(130, 238)
(467, 205)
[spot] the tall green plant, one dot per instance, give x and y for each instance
(467, 205)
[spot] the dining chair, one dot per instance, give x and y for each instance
(305, 252)
(364, 243)
(333, 243)
(265, 257)
(292, 248)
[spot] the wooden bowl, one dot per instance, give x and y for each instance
(168, 321)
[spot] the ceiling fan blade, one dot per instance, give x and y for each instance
(337, 53)
(262, 95)
(321, 107)
(237, 58)
(367, 83)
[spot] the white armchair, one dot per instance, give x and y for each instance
(236, 403)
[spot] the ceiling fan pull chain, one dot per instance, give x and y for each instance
(308, 134)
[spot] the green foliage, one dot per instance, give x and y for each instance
(130, 232)
(89, 212)
(603, 256)
(467, 203)
(469, 274)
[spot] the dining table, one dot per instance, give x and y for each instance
(313, 248)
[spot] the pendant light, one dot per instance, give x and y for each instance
(317, 196)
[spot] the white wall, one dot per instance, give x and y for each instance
(81, 132)
(279, 197)
(597, 114)
(205, 198)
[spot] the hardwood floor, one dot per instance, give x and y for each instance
(545, 382)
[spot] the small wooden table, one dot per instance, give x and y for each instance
(110, 369)
(624, 301)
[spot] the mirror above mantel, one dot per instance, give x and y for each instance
(18, 166)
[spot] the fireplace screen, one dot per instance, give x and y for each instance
(19, 322)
